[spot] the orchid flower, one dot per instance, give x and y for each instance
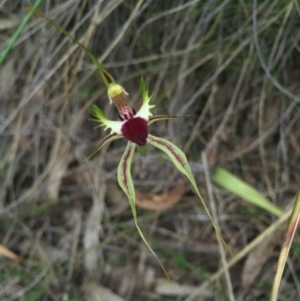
(133, 126)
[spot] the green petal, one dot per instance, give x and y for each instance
(179, 160)
(126, 183)
(115, 126)
(160, 117)
(108, 138)
(97, 112)
(144, 111)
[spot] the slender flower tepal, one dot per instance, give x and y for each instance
(133, 126)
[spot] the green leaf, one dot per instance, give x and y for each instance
(107, 78)
(105, 140)
(233, 184)
(17, 33)
(285, 248)
(179, 160)
(126, 183)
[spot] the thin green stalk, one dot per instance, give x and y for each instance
(17, 33)
(107, 78)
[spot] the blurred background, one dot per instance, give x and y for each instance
(230, 68)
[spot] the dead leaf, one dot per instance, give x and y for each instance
(9, 254)
(293, 140)
(256, 261)
(95, 292)
(160, 202)
(116, 198)
(8, 23)
(6, 75)
(163, 287)
(59, 160)
(91, 243)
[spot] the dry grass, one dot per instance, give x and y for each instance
(68, 219)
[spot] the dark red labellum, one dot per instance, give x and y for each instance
(135, 130)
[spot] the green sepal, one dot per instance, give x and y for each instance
(126, 183)
(179, 159)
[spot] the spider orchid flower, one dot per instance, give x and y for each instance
(133, 126)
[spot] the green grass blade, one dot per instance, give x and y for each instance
(233, 184)
(107, 78)
(179, 159)
(17, 33)
(290, 233)
(126, 183)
